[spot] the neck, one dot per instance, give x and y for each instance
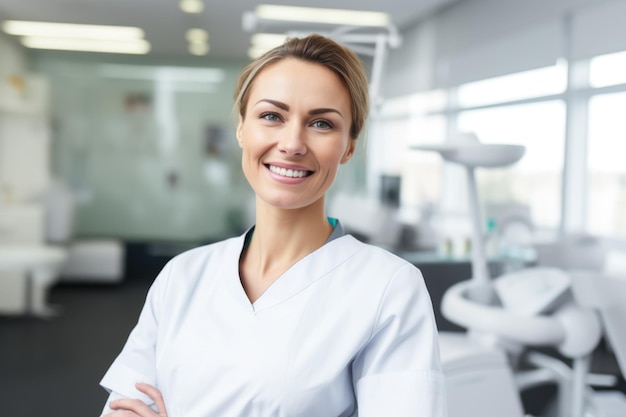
(282, 237)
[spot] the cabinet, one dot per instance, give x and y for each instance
(27, 266)
(22, 224)
(24, 141)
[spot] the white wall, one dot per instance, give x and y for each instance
(411, 67)
(478, 39)
(12, 58)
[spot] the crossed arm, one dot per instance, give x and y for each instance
(126, 407)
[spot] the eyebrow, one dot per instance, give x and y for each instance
(285, 107)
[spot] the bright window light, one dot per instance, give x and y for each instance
(528, 84)
(138, 46)
(536, 179)
(68, 30)
(319, 15)
(606, 211)
(415, 105)
(605, 70)
(607, 130)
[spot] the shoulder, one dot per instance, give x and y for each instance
(376, 258)
(374, 270)
(208, 251)
(202, 260)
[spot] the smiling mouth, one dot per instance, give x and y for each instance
(289, 173)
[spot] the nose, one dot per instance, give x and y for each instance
(292, 141)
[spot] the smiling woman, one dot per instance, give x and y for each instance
(296, 134)
(294, 317)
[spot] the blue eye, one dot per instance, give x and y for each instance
(322, 124)
(272, 117)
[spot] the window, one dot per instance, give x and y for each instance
(606, 212)
(536, 179)
(528, 84)
(606, 70)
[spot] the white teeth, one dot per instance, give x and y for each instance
(291, 173)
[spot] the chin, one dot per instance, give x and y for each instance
(286, 203)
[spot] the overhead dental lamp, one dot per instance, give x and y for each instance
(366, 33)
(465, 149)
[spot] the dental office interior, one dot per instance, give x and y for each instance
(491, 160)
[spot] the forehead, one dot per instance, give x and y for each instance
(290, 78)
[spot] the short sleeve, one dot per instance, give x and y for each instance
(398, 373)
(137, 360)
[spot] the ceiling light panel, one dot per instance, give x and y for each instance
(69, 30)
(268, 40)
(138, 46)
(263, 42)
(319, 15)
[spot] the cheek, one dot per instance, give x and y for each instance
(251, 138)
(335, 155)
(247, 147)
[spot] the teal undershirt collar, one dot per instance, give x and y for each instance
(333, 222)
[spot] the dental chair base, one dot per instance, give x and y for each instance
(479, 380)
(573, 330)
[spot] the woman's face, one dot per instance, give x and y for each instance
(295, 133)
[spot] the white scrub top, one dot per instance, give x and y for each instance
(347, 331)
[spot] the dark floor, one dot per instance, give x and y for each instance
(52, 367)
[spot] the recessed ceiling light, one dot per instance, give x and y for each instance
(138, 46)
(199, 48)
(70, 30)
(319, 15)
(197, 35)
(191, 6)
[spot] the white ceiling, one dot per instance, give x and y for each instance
(165, 25)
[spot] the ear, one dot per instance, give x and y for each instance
(349, 151)
(238, 132)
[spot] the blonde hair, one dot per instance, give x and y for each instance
(320, 50)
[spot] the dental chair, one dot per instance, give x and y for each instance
(606, 295)
(508, 316)
(535, 307)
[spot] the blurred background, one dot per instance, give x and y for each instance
(117, 152)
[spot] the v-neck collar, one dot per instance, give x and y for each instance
(299, 276)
